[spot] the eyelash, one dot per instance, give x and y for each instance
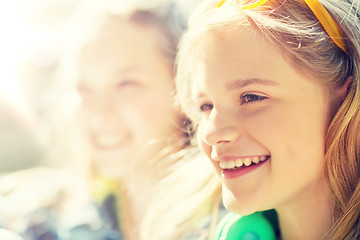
(244, 99)
(206, 107)
(127, 83)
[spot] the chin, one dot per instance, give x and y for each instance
(239, 205)
(110, 170)
(112, 174)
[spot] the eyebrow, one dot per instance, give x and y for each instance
(241, 83)
(128, 69)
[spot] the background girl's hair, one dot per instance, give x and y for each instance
(292, 27)
(184, 198)
(169, 20)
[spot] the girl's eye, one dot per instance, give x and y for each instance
(250, 98)
(127, 83)
(206, 107)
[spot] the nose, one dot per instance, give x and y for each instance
(103, 105)
(100, 111)
(219, 128)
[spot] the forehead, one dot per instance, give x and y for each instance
(123, 45)
(122, 36)
(241, 50)
(226, 56)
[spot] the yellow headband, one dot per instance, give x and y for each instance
(321, 14)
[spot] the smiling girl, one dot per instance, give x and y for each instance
(273, 86)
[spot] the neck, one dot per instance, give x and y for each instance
(308, 217)
(133, 206)
(129, 216)
(137, 193)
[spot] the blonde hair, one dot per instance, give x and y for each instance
(185, 200)
(292, 27)
(185, 197)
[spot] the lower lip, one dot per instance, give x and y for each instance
(112, 148)
(115, 146)
(108, 150)
(234, 173)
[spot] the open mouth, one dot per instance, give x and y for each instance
(108, 142)
(242, 166)
(241, 163)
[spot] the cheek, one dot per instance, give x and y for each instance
(265, 126)
(83, 119)
(149, 114)
(205, 148)
(295, 136)
(287, 124)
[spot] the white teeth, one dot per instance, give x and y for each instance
(223, 165)
(108, 140)
(240, 162)
(231, 164)
(247, 161)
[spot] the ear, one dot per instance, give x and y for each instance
(339, 94)
(343, 90)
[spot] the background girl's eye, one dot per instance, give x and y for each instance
(249, 98)
(127, 83)
(206, 107)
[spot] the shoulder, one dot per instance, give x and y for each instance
(9, 235)
(38, 186)
(254, 226)
(32, 200)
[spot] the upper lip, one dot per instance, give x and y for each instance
(108, 141)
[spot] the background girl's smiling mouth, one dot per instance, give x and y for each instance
(109, 142)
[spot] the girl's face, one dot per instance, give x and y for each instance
(259, 113)
(126, 85)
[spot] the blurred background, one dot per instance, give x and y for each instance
(36, 106)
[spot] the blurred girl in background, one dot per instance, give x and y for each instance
(136, 133)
